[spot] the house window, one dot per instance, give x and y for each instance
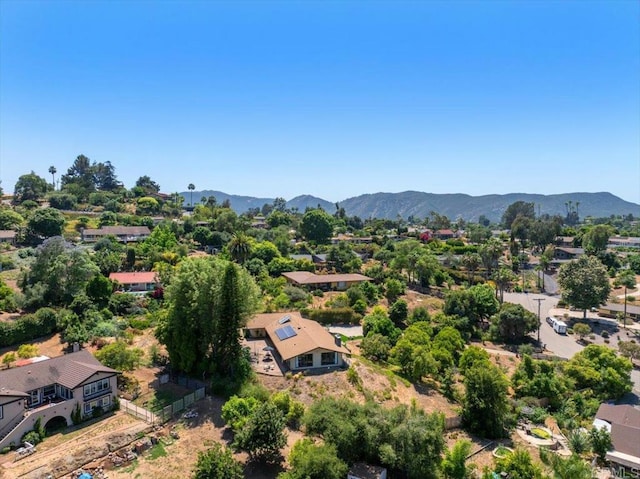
(34, 397)
(305, 360)
(328, 359)
(103, 402)
(49, 391)
(96, 387)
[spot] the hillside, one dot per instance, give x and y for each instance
(419, 204)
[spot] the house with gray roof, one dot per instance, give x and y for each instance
(51, 390)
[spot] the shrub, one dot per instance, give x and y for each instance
(333, 315)
(31, 437)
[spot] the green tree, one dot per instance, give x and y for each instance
(503, 278)
(120, 356)
(9, 358)
(572, 467)
(471, 262)
(240, 247)
(10, 219)
(206, 301)
(454, 464)
(237, 411)
(317, 226)
(600, 440)
(376, 347)
(393, 288)
(518, 465)
(263, 436)
(595, 240)
(44, 223)
(512, 323)
(599, 368)
(27, 351)
(99, 289)
(582, 330)
(148, 185)
(471, 356)
(584, 283)
(191, 187)
(519, 208)
(7, 298)
(30, 187)
(314, 461)
(485, 407)
(52, 172)
(490, 252)
(217, 462)
(399, 312)
(58, 274)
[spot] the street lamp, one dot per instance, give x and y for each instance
(539, 300)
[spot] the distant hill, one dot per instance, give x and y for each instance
(418, 204)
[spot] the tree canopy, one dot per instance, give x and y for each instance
(208, 301)
(584, 283)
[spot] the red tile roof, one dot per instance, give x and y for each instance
(135, 278)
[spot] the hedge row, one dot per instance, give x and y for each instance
(28, 327)
(332, 315)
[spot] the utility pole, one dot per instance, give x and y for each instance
(539, 300)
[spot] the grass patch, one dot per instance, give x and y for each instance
(540, 433)
(158, 399)
(502, 451)
(157, 451)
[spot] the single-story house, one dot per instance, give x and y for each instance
(444, 234)
(137, 282)
(50, 390)
(325, 282)
(8, 236)
(342, 238)
(360, 470)
(567, 253)
(124, 234)
(624, 242)
(299, 343)
(623, 423)
(611, 310)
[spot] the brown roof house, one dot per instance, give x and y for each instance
(325, 282)
(623, 423)
(50, 390)
(125, 234)
(299, 343)
(139, 282)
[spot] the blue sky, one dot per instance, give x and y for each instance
(333, 99)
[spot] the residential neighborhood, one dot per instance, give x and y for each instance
(319, 240)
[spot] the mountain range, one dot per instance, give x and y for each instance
(420, 205)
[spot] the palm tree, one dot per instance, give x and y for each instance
(240, 247)
(191, 187)
(53, 171)
(471, 261)
(627, 279)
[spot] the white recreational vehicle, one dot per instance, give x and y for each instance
(558, 326)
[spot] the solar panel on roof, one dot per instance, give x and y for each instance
(284, 319)
(285, 333)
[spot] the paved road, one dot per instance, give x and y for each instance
(561, 345)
